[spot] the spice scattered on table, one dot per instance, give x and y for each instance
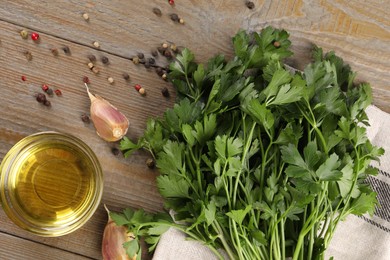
(181, 21)
(90, 65)
(154, 53)
(105, 60)
(110, 80)
(86, 17)
(54, 51)
(126, 76)
(35, 36)
(165, 92)
(23, 78)
(171, 2)
(45, 87)
(86, 80)
(174, 17)
(24, 34)
(58, 92)
(47, 103)
(135, 60)
(150, 163)
(95, 70)
(140, 89)
(40, 97)
(157, 11)
(115, 151)
(96, 44)
(91, 57)
(85, 118)
(250, 4)
(66, 50)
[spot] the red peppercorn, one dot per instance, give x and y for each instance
(45, 87)
(24, 78)
(171, 2)
(86, 80)
(35, 36)
(58, 92)
(137, 87)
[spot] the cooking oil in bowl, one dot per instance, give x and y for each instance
(51, 183)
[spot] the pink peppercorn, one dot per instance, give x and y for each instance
(35, 36)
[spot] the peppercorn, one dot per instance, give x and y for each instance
(105, 60)
(167, 54)
(137, 87)
(90, 65)
(161, 50)
(115, 151)
(126, 76)
(173, 47)
(159, 71)
(66, 50)
(171, 2)
(40, 97)
(85, 118)
(86, 80)
(135, 60)
(142, 91)
(276, 44)
(147, 65)
(150, 163)
(45, 87)
(96, 44)
(164, 76)
(250, 4)
(24, 78)
(165, 92)
(157, 11)
(154, 53)
(86, 16)
(34, 36)
(181, 21)
(95, 70)
(92, 58)
(110, 80)
(47, 103)
(28, 55)
(49, 91)
(151, 61)
(174, 17)
(54, 51)
(141, 55)
(58, 92)
(165, 45)
(24, 34)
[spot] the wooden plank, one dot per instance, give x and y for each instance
(18, 248)
(128, 182)
(359, 33)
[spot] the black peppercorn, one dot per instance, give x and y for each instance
(165, 92)
(47, 103)
(150, 163)
(174, 17)
(167, 54)
(92, 58)
(66, 50)
(40, 97)
(157, 11)
(154, 53)
(159, 71)
(115, 151)
(151, 61)
(105, 60)
(161, 49)
(54, 51)
(147, 65)
(85, 118)
(50, 91)
(250, 4)
(126, 76)
(141, 55)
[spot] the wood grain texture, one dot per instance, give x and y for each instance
(358, 31)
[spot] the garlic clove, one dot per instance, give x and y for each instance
(113, 238)
(110, 124)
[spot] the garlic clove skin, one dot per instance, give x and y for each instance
(113, 238)
(110, 124)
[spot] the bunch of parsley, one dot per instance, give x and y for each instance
(255, 159)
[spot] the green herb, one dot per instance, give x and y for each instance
(255, 159)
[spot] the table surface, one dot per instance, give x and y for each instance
(359, 32)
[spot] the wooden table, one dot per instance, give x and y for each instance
(359, 31)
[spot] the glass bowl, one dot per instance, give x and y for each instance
(50, 183)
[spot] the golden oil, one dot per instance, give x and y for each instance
(50, 183)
